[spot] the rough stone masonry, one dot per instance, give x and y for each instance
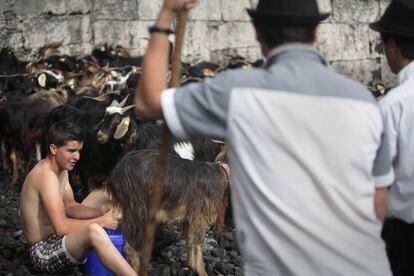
(216, 29)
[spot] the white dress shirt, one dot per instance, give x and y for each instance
(398, 110)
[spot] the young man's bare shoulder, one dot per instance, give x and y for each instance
(40, 175)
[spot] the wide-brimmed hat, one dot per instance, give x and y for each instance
(398, 19)
(287, 13)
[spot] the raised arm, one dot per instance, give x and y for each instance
(155, 64)
(53, 203)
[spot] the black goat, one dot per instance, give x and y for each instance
(22, 123)
(9, 64)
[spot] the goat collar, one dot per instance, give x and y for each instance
(226, 169)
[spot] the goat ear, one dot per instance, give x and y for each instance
(41, 79)
(122, 128)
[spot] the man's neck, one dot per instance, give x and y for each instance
(53, 164)
(267, 50)
(403, 63)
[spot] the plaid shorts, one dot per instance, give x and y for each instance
(50, 255)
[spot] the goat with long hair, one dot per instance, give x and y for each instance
(193, 195)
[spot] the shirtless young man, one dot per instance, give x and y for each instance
(60, 231)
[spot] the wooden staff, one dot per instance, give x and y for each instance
(159, 176)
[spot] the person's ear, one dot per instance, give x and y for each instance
(259, 36)
(393, 46)
(53, 149)
(315, 34)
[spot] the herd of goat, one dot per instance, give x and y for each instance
(120, 148)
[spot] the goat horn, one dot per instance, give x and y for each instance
(100, 98)
(121, 104)
(217, 141)
(125, 109)
(118, 93)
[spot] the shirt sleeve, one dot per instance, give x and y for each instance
(383, 169)
(390, 115)
(199, 109)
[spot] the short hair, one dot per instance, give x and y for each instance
(276, 36)
(62, 112)
(406, 44)
(62, 132)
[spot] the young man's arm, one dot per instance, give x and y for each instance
(48, 186)
(381, 203)
(75, 209)
(155, 64)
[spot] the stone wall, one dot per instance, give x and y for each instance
(217, 29)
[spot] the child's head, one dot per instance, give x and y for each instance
(62, 132)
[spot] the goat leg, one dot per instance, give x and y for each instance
(4, 157)
(133, 257)
(195, 259)
(15, 172)
(221, 217)
(38, 152)
(195, 238)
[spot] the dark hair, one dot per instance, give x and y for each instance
(406, 44)
(276, 36)
(60, 113)
(62, 132)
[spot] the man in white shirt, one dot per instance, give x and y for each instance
(397, 33)
(310, 165)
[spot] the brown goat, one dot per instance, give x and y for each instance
(192, 195)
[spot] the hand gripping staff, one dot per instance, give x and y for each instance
(159, 175)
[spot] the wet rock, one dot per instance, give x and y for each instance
(8, 266)
(224, 243)
(222, 267)
(17, 234)
(167, 256)
(7, 253)
(187, 272)
(233, 254)
(3, 213)
(238, 271)
(21, 270)
(183, 258)
(219, 252)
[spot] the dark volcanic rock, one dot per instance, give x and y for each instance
(220, 252)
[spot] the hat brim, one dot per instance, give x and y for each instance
(382, 27)
(286, 19)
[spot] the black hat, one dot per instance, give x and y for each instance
(398, 19)
(287, 13)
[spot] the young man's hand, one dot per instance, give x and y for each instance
(109, 221)
(176, 6)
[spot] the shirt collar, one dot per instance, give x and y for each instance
(293, 51)
(406, 73)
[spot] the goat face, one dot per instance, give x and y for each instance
(115, 122)
(108, 126)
